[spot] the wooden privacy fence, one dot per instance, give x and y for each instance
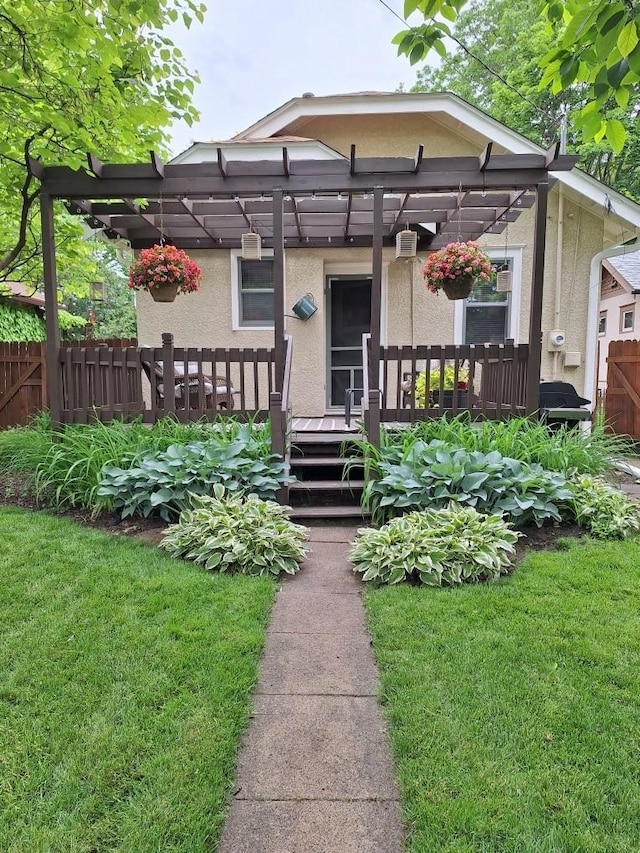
(23, 382)
(622, 396)
(489, 381)
(23, 377)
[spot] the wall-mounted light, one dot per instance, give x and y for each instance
(406, 244)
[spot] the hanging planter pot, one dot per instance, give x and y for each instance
(164, 271)
(458, 288)
(456, 268)
(164, 294)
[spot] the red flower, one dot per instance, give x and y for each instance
(455, 260)
(164, 265)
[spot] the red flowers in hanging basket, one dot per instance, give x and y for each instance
(457, 262)
(162, 269)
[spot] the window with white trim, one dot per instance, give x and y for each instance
(602, 323)
(487, 310)
(255, 293)
(626, 318)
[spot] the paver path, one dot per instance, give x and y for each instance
(315, 773)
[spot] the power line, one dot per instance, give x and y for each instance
(477, 59)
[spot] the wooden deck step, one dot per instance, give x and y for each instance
(328, 512)
(325, 485)
(315, 461)
(320, 437)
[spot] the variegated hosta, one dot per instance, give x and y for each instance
(603, 510)
(439, 547)
(231, 533)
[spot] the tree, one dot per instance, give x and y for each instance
(114, 316)
(597, 48)
(78, 76)
(498, 71)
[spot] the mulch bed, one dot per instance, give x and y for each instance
(14, 492)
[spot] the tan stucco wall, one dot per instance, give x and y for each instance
(412, 315)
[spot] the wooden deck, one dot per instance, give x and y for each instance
(328, 423)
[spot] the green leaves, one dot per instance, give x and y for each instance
(439, 547)
(603, 510)
(232, 533)
(433, 474)
(167, 481)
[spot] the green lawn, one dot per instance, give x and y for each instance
(125, 681)
(514, 707)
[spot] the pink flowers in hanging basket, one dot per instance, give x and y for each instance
(456, 262)
(164, 267)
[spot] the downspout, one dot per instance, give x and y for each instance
(558, 289)
(594, 311)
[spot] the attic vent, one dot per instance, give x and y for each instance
(251, 246)
(504, 281)
(406, 244)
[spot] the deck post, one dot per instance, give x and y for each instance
(532, 402)
(169, 376)
(278, 286)
(374, 401)
(54, 390)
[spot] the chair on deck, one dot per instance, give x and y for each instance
(216, 393)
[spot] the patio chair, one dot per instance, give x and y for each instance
(216, 393)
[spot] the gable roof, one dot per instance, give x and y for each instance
(453, 108)
(626, 267)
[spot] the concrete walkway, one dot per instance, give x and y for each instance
(315, 773)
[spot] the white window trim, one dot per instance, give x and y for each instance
(515, 253)
(629, 308)
(235, 256)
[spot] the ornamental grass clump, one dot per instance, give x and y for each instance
(438, 547)
(164, 266)
(231, 533)
(603, 510)
(456, 261)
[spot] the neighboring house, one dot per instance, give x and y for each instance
(619, 317)
(234, 307)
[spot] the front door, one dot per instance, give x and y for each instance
(348, 318)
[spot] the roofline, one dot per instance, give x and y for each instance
(237, 142)
(620, 277)
(453, 105)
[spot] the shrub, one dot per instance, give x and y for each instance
(568, 451)
(167, 481)
(603, 510)
(449, 380)
(439, 547)
(231, 533)
(431, 475)
(65, 465)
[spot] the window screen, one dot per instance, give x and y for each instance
(255, 299)
(486, 311)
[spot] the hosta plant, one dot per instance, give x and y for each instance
(166, 481)
(603, 510)
(231, 533)
(439, 547)
(431, 475)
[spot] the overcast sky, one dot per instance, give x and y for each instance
(254, 55)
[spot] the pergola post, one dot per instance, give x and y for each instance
(376, 317)
(278, 285)
(535, 311)
(51, 306)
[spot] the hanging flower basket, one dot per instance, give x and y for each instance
(164, 271)
(456, 268)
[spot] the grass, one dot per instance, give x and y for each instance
(514, 707)
(125, 681)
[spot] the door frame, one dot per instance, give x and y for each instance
(353, 270)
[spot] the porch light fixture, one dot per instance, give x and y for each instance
(406, 244)
(251, 246)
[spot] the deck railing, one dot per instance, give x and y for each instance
(107, 382)
(485, 380)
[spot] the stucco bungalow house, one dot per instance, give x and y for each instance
(586, 224)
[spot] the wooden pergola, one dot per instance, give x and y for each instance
(297, 204)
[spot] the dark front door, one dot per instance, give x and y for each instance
(349, 317)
